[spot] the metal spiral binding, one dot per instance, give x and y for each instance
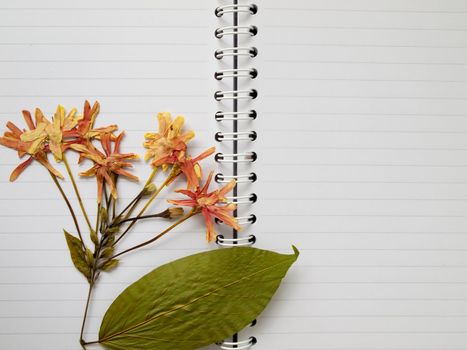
(236, 30)
(251, 8)
(242, 220)
(238, 345)
(245, 157)
(236, 136)
(226, 116)
(248, 199)
(236, 51)
(221, 178)
(251, 73)
(235, 242)
(235, 94)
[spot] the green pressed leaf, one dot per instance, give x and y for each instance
(78, 255)
(194, 301)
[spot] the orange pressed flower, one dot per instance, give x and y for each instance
(192, 170)
(84, 131)
(36, 148)
(167, 146)
(208, 205)
(53, 132)
(107, 163)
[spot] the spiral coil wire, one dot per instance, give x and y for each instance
(236, 136)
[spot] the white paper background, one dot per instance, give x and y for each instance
(362, 160)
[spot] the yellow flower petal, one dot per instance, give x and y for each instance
(164, 121)
(176, 126)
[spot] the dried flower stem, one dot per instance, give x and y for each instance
(132, 205)
(148, 203)
(114, 206)
(75, 187)
(97, 217)
(158, 215)
(184, 218)
(154, 172)
(81, 340)
(93, 279)
(70, 208)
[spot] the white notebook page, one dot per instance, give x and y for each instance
(361, 160)
(136, 58)
(362, 163)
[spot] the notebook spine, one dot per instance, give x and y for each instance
(236, 115)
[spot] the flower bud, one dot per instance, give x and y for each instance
(173, 212)
(149, 189)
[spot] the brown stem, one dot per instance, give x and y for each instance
(70, 208)
(93, 279)
(107, 199)
(99, 205)
(186, 217)
(91, 285)
(148, 203)
(132, 205)
(158, 215)
(91, 342)
(133, 202)
(75, 187)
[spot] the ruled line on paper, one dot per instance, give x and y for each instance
(362, 10)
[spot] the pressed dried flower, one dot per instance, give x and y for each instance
(84, 131)
(167, 146)
(208, 204)
(36, 147)
(107, 163)
(52, 132)
(192, 170)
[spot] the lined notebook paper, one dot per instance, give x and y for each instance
(362, 160)
(135, 58)
(362, 151)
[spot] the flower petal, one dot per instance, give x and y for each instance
(110, 182)
(117, 142)
(227, 188)
(187, 193)
(79, 147)
(222, 214)
(205, 188)
(205, 154)
(28, 119)
(164, 122)
(176, 127)
(45, 162)
(20, 168)
(210, 234)
(183, 202)
(126, 174)
(39, 116)
(14, 129)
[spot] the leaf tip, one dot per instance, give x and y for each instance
(296, 251)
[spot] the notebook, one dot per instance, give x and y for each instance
(354, 112)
